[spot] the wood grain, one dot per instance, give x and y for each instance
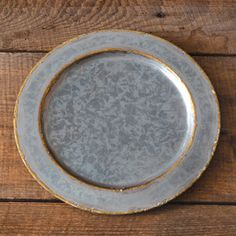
(199, 27)
(218, 183)
(44, 219)
(196, 26)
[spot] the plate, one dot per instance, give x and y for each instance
(116, 122)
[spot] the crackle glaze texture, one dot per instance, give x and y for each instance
(116, 119)
(97, 107)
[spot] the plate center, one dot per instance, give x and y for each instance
(118, 119)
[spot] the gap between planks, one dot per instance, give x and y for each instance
(205, 203)
(191, 54)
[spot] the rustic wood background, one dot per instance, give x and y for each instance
(205, 29)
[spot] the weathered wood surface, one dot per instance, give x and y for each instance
(196, 26)
(59, 219)
(218, 183)
(30, 28)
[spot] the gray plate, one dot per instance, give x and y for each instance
(116, 122)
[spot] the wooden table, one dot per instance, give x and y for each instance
(205, 29)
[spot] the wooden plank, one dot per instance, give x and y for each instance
(15, 182)
(217, 184)
(196, 26)
(59, 219)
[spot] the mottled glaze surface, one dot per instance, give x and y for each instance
(117, 119)
(76, 192)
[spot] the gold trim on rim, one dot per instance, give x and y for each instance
(101, 211)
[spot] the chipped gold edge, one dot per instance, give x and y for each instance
(89, 183)
(131, 211)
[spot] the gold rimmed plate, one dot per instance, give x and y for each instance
(116, 122)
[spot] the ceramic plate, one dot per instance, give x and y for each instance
(116, 122)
